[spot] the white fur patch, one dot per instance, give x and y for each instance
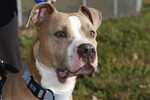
(75, 26)
(78, 38)
(49, 79)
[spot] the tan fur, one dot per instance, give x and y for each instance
(16, 89)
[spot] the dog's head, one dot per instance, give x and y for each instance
(67, 41)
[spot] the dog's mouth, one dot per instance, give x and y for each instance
(87, 69)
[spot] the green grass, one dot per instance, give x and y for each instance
(124, 60)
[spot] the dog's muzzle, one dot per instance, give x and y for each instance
(84, 62)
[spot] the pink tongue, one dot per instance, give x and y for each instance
(62, 73)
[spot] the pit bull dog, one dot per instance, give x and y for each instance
(65, 47)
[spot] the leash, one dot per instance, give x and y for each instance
(5, 70)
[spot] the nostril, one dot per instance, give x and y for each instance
(85, 53)
(93, 50)
(85, 50)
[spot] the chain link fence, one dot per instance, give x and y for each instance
(108, 8)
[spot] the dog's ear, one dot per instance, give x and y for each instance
(92, 14)
(39, 13)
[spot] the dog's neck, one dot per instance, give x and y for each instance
(50, 80)
(47, 77)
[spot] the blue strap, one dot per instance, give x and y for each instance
(37, 90)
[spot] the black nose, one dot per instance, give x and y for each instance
(86, 50)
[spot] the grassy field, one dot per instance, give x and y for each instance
(124, 60)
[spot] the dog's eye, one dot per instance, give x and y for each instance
(60, 34)
(92, 34)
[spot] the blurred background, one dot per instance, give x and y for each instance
(109, 8)
(123, 48)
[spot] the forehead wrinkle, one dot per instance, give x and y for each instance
(75, 26)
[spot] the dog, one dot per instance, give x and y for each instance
(65, 47)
